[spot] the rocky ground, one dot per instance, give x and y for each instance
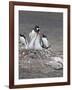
(40, 63)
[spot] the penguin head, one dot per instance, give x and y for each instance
(22, 35)
(36, 28)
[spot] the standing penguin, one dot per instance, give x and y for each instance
(23, 41)
(34, 32)
(44, 41)
(35, 38)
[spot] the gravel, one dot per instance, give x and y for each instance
(40, 63)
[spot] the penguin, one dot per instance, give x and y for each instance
(23, 40)
(44, 41)
(34, 32)
(35, 38)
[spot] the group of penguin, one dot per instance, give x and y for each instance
(37, 40)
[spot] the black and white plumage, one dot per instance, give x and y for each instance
(34, 32)
(35, 38)
(44, 41)
(36, 28)
(23, 41)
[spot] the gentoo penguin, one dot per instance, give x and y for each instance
(35, 38)
(23, 41)
(34, 32)
(44, 41)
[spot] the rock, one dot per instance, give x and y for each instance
(42, 62)
(45, 56)
(56, 64)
